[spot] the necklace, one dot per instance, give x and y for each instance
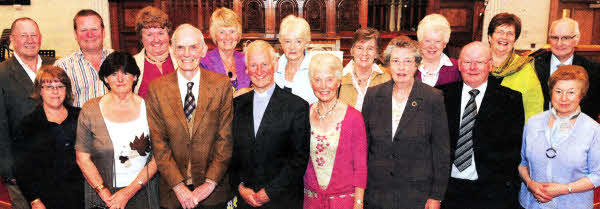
(156, 62)
(359, 80)
(328, 112)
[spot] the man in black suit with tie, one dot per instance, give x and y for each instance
(271, 132)
(16, 85)
(563, 37)
(485, 122)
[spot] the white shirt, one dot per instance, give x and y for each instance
(182, 81)
(554, 62)
(397, 111)
(29, 72)
(300, 84)
(431, 80)
(360, 96)
(470, 173)
(259, 104)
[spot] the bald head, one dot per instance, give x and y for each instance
(187, 30)
(260, 46)
(475, 63)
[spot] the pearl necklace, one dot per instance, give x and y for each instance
(156, 62)
(328, 112)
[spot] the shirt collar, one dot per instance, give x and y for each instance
(481, 88)
(105, 53)
(195, 79)
(267, 93)
(444, 61)
(26, 67)
(350, 68)
(554, 61)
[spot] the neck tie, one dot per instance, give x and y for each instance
(464, 146)
(190, 102)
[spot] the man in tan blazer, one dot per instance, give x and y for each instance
(189, 114)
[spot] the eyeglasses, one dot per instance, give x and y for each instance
(477, 63)
(403, 62)
(502, 33)
(563, 38)
(50, 87)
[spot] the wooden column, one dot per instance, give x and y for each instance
(200, 15)
(270, 17)
(331, 17)
(237, 8)
(363, 12)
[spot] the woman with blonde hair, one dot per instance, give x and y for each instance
(436, 68)
(337, 138)
(226, 32)
(292, 72)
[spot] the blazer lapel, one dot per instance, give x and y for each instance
(273, 108)
(204, 98)
(174, 99)
(21, 76)
(385, 98)
(413, 103)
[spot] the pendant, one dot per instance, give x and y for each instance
(551, 153)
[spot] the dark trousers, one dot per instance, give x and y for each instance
(466, 194)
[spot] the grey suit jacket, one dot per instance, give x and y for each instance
(415, 166)
(15, 102)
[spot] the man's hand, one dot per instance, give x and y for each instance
(185, 196)
(248, 196)
(432, 204)
(203, 191)
(262, 197)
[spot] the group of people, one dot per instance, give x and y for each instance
(178, 126)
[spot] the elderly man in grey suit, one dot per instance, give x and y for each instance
(16, 85)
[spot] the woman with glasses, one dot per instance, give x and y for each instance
(560, 164)
(510, 69)
(407, 136)
(45, 155)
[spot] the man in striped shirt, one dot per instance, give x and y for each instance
(83, 65)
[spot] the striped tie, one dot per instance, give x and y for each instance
(464, 146)
(190, 102)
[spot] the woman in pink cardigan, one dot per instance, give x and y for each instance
(336, 176)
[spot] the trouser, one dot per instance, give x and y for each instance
(16, 197)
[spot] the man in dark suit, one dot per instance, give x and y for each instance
(485, 122)
(271, 132)
(16, 85)
(563, 37)
(189, 116)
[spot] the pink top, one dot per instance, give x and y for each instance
(350, 165)
(151, 72)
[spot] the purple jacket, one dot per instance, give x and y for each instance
(213, 62)
(448, 74)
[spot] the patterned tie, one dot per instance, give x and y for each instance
(190, 102)
(464, 146)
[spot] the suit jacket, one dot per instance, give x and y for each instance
(589, 104)
(209, 146)
(496, 141)
(276, 158)
(15, 102)
(412, 166)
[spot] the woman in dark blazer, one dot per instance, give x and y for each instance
(407, 135)
(48, 174)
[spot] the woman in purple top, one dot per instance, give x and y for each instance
(436, 67)
(336, 176)
(226, 32)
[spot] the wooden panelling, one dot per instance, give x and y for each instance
(347, 15)
(253, 12)
(315, 14)
(585, 18)
(457, 17)
(588, 18)
(285, 8)
(129, 17)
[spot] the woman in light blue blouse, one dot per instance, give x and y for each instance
(560, 164)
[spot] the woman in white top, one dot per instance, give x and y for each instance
(292, 72)
(113, 142)
(436, 68)
(362, 72)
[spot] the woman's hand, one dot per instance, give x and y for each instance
(555, 189)
(37, 205)
(432, 204)
(120, 198)
(539, 192)
(357, 206)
